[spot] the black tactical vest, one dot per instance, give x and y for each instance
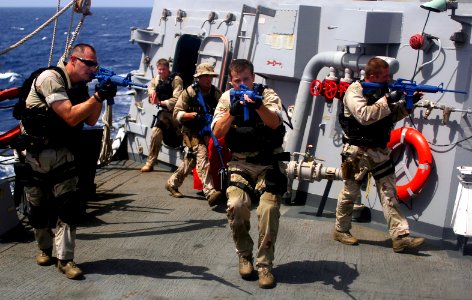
(45, 126)
(253, 135)
(211, 100)
(374, 135)
(164, 88)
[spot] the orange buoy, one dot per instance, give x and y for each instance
(425, 159)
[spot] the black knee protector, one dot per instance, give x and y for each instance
(275, 181)
(191, 155)
(385, 169)
(68, 208)
(38, 216)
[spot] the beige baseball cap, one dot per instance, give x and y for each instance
(205, 69)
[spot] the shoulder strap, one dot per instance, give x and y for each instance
(194, 87)
(58, 70)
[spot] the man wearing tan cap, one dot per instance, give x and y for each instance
(192, 109)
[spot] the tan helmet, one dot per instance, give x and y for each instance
(205, 69)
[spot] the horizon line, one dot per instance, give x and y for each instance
(10, 6)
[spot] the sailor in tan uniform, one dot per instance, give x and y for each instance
(164, 90)
(367, 117)
(254, 171)
(193, 107)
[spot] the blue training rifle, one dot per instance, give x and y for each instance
(104, 74)
(238, 95)
(409, 87)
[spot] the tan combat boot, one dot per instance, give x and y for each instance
(345, 237)
(148, 167)
(69, 268)
(173, 191)
(245, 266)
(266, 279)
(44, 258)
(403, 242)
(214, 198)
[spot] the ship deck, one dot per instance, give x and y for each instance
(137, 242)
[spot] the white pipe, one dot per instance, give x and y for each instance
(304, 100)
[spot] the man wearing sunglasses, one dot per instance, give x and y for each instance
(57, 106)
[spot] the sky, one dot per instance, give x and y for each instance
(95, 3)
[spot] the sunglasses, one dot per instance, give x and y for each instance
(88, 63)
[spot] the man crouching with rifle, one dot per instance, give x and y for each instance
(367, 116)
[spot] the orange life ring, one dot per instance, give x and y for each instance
(11, 93)
(425, 159)
(7, 137)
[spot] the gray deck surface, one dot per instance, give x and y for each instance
(139, 243)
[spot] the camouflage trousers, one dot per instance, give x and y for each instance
(358, 163)
(45, 202)
(197, 156)
(239, 211)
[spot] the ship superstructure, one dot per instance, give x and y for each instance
(309, 51)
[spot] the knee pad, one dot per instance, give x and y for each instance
(38, 216)
(385, 169)
(275, 181)
(68, 208)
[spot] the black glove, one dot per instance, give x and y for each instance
(254, 105)
(236, 108)
(106, 91)
(393, 96)
(198, 117)
(417, 97)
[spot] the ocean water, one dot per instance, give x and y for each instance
(107, 29)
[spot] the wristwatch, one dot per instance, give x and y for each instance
(97, 98)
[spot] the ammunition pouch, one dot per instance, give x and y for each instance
(156, 122)
(23, 173)
(349, 168)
